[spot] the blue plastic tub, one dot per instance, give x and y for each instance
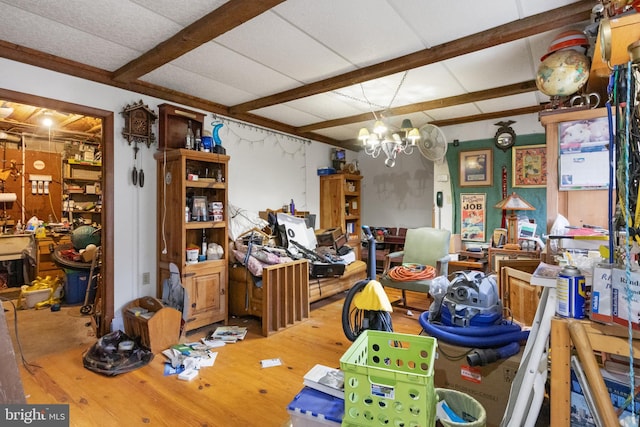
(311, 408)
(75, 286)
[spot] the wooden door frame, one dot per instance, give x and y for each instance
(107, 306)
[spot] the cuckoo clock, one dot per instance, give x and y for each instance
(138, 121)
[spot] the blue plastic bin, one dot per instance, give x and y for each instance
(75, 286)
(311, 408)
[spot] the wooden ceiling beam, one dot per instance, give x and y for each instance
(482, 95)
(488, 116)
(356, 145)
(223, 19)
(535, 24)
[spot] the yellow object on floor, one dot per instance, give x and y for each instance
(373, 298)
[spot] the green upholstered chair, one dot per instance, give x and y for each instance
(425, 246)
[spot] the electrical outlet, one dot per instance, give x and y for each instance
(146, 278)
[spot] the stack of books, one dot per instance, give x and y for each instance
(325, 379)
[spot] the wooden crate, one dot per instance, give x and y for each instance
(160, 331)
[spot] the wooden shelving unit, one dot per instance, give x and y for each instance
(206, 281)
(340, 206)
(82, 191)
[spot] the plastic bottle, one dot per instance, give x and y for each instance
(189, 139)
(292, 208)
(198, 141)
(187, 214)
(204, 243)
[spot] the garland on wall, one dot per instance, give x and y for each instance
(279, 140)
(278, 137)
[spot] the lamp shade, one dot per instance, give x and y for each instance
(514, 202)
(406, 125)
(363, 135)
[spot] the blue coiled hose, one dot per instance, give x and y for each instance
(474, 336)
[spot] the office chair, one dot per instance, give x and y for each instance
(424, 246)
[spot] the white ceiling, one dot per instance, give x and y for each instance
(299, 42)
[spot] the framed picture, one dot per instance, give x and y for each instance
(199, 208)
(584, 154)
(476, 168)
(472, 217)
(529, 165)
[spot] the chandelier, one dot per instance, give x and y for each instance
(382, 139)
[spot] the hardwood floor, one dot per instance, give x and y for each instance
(236, 391)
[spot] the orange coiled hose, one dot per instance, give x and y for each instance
(411, 272)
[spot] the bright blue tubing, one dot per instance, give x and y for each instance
(474, 336)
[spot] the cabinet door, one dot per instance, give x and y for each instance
(207, 297)
(518, 295)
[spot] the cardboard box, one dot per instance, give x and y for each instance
(601, 294)
(329, 236)
(623, 308)
(490, 385)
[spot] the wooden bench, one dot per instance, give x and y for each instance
(286, 292)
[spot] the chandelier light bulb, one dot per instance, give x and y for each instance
(379, 127)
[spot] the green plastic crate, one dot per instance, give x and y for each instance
(389, 380)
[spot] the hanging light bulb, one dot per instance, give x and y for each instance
(47, 120)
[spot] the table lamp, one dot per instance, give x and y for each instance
(513, 203)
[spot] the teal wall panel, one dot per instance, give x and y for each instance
(537, 197)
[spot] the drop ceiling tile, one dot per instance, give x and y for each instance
(327, 106)
(285, 114)
(40, 33)
(427, 83)
(341, 133)
(496, 66)
(534, 7)
(183, 12)
(437, 23)
(141, 33)
(361, 31)
(175, 78)
(508, 102)
(463, 110)
(216, 62)
(273, 42)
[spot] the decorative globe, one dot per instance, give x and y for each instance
(85, 235)
(562, 73)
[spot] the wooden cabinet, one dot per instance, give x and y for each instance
(518, 296)
(573, 205)
(82, 191)
(196, 180)
(45, 265)
(340, 206)
(496, 254)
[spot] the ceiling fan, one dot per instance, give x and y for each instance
(432, 143)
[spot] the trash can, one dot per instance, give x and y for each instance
(75, 286)
(464, 406)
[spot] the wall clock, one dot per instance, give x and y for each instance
(138, 121)
(505, 137)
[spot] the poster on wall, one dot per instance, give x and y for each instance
(584, 156)
(472, 217)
